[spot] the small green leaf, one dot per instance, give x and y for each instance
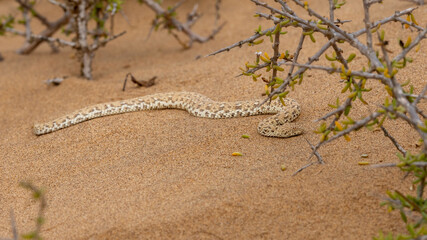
(403, 216)
(351, 57)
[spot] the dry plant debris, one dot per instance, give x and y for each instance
(55, 81)
(141, 83)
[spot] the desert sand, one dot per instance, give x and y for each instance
(168, 175)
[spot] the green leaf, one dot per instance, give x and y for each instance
(411, 230)
(30, 235)
(403, 216)
(347, 110)
(351, 57)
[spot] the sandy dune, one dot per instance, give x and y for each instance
(166, 174)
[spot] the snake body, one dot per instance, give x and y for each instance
(197, 105)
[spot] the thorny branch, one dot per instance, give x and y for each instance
(403, 106)
(319, 159)
(241, 43)
(393, 140)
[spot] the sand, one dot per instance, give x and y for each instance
(166, 174)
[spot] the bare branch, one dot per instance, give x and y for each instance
(13, 224)
(46, 35)
(102, 43)
(240, 43)
(418, 164)
(357, 125)
(27, 7)
(330, 24)
(297, 51)
(290, 14)
(315, 57)
(253, 70)
(319, 158)
(61, 5)
(176, 6)
(416, 96)
(43, 38)
(331, 10)
(217, 14)
(192, 16)
(302, 168)
(394, 141)
(27, 20)
(392, 18)
(276, 55)
(367, 22)
(414, 43)
(84, 49)
(367, 75)
(419, 2)
(420, 96)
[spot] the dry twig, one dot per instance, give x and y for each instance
(141, 83)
